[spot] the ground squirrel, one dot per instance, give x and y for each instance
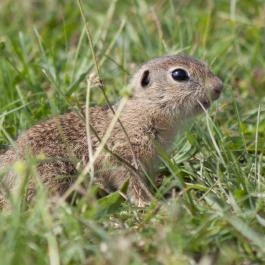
(166, 91)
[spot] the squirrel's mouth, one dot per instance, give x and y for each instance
(204, 104)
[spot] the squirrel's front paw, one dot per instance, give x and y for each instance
(139, 195)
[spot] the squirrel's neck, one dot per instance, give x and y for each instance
(150, 119)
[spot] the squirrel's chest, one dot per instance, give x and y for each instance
(165, 133)
(161, 139)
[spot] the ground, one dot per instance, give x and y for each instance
(217, 214)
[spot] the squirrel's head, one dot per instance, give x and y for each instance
(176, 84)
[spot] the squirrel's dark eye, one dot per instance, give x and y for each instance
(180, 75)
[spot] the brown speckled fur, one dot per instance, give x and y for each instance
(155, 113)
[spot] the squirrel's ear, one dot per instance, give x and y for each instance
(145, 79)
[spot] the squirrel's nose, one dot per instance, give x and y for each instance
(217, 88)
